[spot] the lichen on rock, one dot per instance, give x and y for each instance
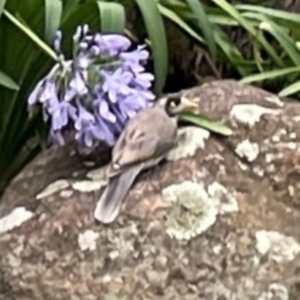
(15, 219)
(220, 193)
(278, 246)
(189, 139)
(88, 185)
(53, 188)
(275, 291)
(250, 114)
(247, 149)
(87, 240)
(192, 211)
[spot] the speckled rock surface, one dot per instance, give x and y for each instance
(219, 220)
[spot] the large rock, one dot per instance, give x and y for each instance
(219, 220)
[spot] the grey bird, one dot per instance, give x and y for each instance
(143, 143)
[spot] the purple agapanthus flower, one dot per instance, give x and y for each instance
(96, 92)
(116, 83)
(111, 44)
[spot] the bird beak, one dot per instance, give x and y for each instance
(190, 104)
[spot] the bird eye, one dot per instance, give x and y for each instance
(173, 104)
(174, 101)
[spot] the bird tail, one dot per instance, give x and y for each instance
(109, 205)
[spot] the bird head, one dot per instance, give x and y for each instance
(176, 104)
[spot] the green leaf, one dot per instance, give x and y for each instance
(270, 74)
(289, 90)
(180, 22)
(69, 6)
(112, 17)
(285, 41)
(202, 121)
(247, 25)
(6, 81)
(222, 20)
(230, 50)
(281, 35)
(85, 13)
(204, 24)
(30, 34)
(274, 13)
(53, 13)
(156, 31)
(2, 4)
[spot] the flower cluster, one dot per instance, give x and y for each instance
(97, 91)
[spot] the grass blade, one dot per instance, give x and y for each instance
(230, 50)
(30, 34)
(180, 22)
(250, 28)
(270, 74)
(157, 34)
(69, 6)
(273, 13)
(204, 24)
(112, 17)
(2, 4)
(280, 34)
(291, 89)
(285, 41)
(8, 82)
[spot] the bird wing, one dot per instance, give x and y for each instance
(138, 143)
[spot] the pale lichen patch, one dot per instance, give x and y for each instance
(66, 193)
(227, 202)
(88, 240)
(107, 278)
(123, 239)
(258, 171)
(97, 174)
(296, 118)
(275, 100)
(270, 168)
(289, 145)
(53, 188)
(275, 291)
(248, 150)
(15, 219)
(250, 114)
(87, 186)
(192, 211)
(270, 157)
(217, 249)
(278, 246)
(189, 140)
(291, 191)
(114, 254)
(277, 136)
(242, 166)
